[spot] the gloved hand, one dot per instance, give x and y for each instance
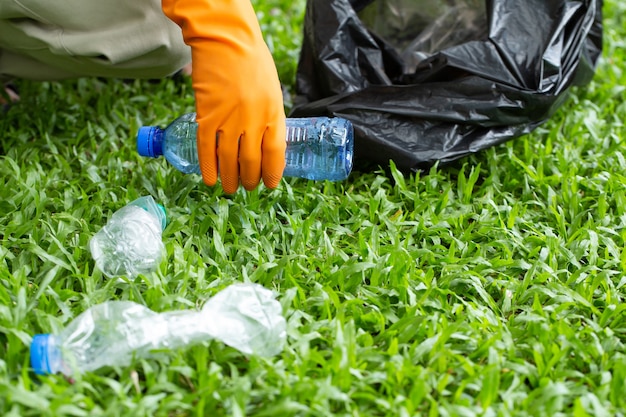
(239, 102)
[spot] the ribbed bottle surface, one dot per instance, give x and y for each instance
(318, 148)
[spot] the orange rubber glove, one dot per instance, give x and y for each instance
(239, 102)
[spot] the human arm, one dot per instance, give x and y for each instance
(239, 103)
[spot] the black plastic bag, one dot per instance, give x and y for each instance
(426, 81)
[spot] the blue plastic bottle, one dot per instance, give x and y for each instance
(318, 148)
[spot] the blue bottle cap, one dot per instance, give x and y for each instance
(149, 141)
(40, 358)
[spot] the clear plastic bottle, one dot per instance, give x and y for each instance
(131, 242)
(318, 148)
(246, 317)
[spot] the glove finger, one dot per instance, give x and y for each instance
(274, 146)
(207, 155)
(250, 156)
(228, 158)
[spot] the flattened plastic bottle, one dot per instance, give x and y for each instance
(131, 241)
(246, 317)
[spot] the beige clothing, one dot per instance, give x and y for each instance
(57, 39)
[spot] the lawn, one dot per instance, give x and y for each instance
(491, 287)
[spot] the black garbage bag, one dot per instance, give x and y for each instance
(425, 81)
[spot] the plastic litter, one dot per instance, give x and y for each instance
(131, 241)
(246, 317)
(318, 148)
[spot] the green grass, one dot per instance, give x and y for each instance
(494, 287)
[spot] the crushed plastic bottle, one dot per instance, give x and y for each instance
(131, 241)
(246, 317)
(318, 148)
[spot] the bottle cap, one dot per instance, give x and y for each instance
(40, 359)
(164, 219)
(146, 141)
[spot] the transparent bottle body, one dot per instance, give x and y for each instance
(246, 317)
(131, 241)
(179, 144)
(317, 148)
